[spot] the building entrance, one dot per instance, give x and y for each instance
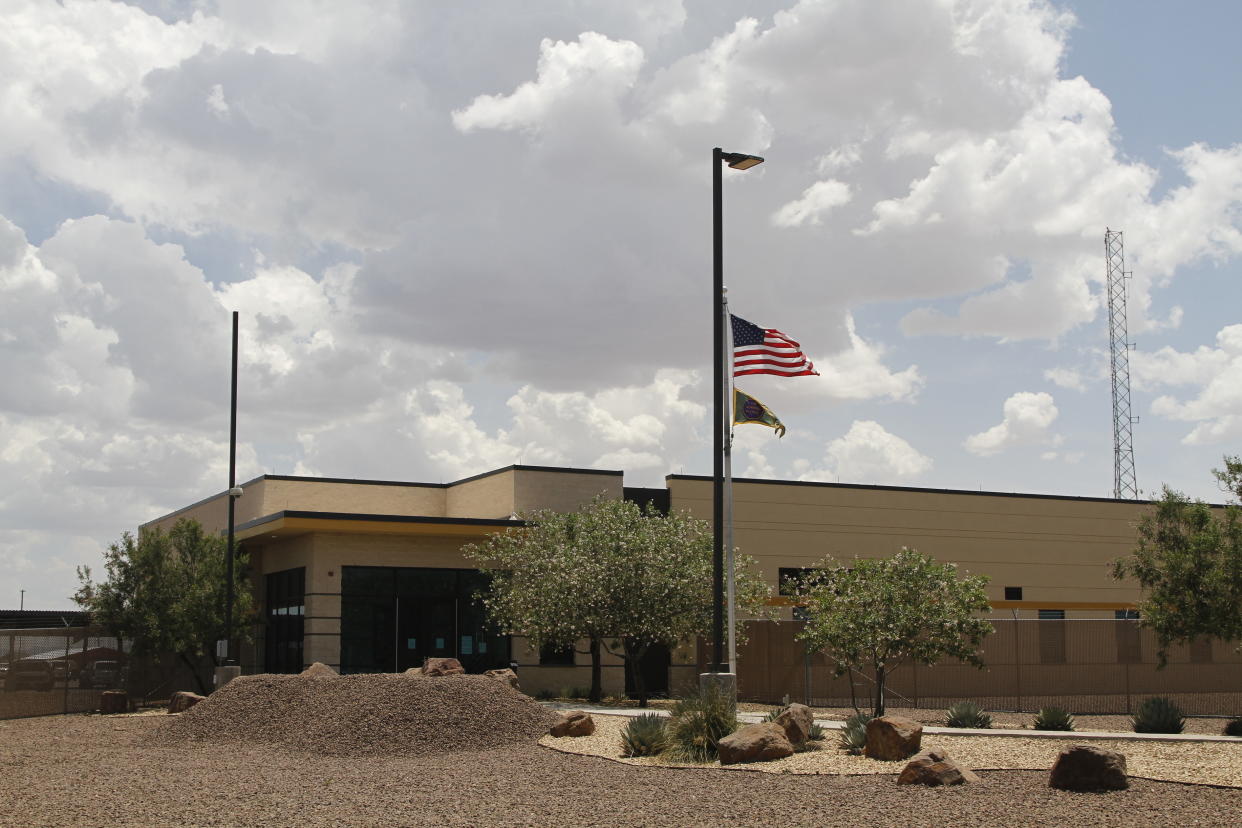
(393, 618)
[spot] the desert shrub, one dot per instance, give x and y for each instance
(852, 737)
(1053, 718)
(578, 693)
(1158, 714)
(698, 722)
(817, 734)
(1234, 727)
(545, 694)
(967, 714)
(644, 735)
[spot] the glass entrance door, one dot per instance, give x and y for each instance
(426, 629)
(393, 619)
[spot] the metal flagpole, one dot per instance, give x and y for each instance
(730, 601)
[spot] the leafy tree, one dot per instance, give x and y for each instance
(165, 592)
(614, 575)
(878, 614)
(1189, 563)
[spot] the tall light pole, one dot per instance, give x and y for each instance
(230, 656)
(737, 161)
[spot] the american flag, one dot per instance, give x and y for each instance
(759, 350)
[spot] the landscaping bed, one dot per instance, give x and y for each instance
(1211, 763)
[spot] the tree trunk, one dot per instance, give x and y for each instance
(633, 661)
(879, 690)
(597, 686)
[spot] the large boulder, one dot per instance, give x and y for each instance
(442, 667)
(114, 701)
(183, 700)
(573, 723)
(796, 719)
(319, 670)
(754, 743)
(1084, 768)
(893, 738)
(506, 675)
(934, 768)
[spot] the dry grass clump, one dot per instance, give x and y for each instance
(363, 715)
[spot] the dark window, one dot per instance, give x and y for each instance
(791, 577)
(1013, 593)
(285, 608)
(556, 656)
(392, 618)
(1052, 636)
(1126, 615)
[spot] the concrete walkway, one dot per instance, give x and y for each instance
(835, 724)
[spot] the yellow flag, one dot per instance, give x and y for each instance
(746, 409)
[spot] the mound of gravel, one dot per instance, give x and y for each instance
(363, 715)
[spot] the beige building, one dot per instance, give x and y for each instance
(369, 576)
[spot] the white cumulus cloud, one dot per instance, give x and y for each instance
(1028, 416)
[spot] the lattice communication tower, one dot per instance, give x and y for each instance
(1125, 485)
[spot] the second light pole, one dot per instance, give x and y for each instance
(720, 407)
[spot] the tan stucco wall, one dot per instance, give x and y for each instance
(562, 491)
(354, 497)
(489, 496)
(1058, 550)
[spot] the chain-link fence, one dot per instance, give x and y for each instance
(1084, 665)
(66, 669)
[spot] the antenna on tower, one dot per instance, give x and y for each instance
(1125, 485)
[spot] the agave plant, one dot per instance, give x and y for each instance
(1053, 718)
(1158, 714)
(697, 722)
(967, 714)
(852, 737)
(644, 735)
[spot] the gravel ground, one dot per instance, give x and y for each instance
(1211, 763)
(362, 715)
(97, 770)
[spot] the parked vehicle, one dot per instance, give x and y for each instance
(61, 669)
(29, 674)
(103, 674)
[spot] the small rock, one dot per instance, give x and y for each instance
(934, 768)
(183, 700)
(797, 720)
(319, 670)
(892, 738)
(505, 675)
(761, 742)
(1083, 768)
(442, 667)
(573, 723)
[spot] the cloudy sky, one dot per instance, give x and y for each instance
(464, 235)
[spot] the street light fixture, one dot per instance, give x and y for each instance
(737, 161)
(740, 161)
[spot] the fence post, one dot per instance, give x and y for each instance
(67, 672)
(1017, 660)
(1129, 711)
(806, 672)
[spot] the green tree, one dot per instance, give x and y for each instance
(611, 574)
(879, 613)
(165, 592)
(1188, 561)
